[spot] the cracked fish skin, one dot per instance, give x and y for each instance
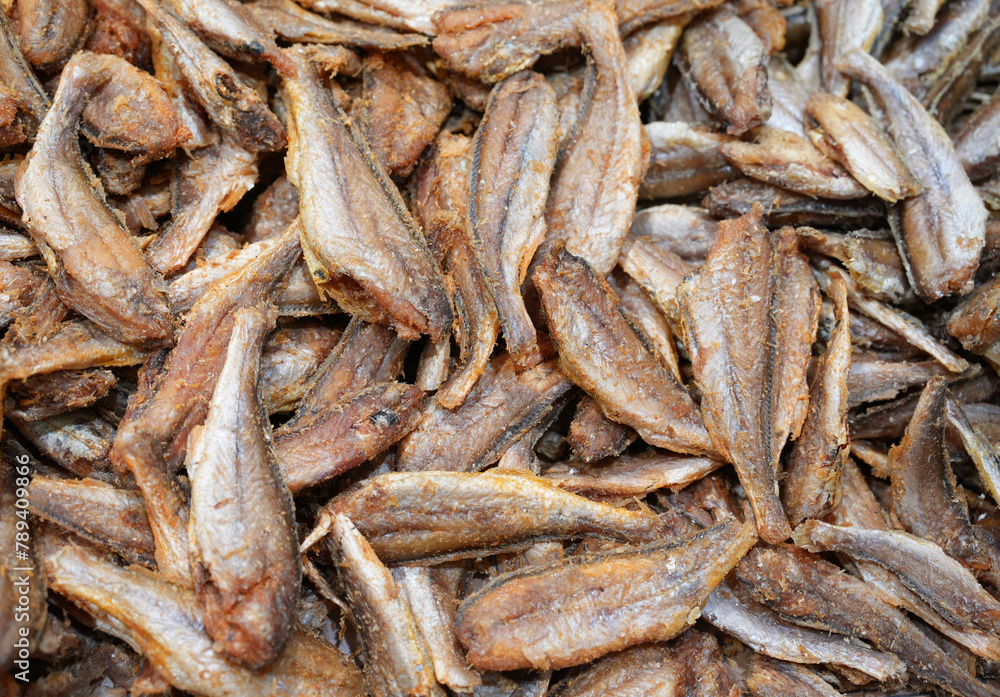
(98, 269)
(428, 516)
(164, 623)
(815, 593)
(850, 136)
(560, 614)
(922, 566)
(923, 496)
(356, 231)
(397, 660)
(114, 518)
(513, 157)
(731, 79)
(753, 284)
(592, 211)
(586, 321)
(812, 482)
(943, 229)
(244, 551)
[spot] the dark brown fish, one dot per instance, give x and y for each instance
(513, 157)
(97, 267)
(377, 263)
(291, 357)
(923, 495)
(790, 161)
(596, 181)
(294, 23)
(758, 285)
(441, 203)
(593, 436)
(942, 230)
(731, 609)
(163, 621)
(244, 552)
(43, 396)
(725, 61)
(213, 180)
(781, 207)
(397, 660)
(436, 516)
(812, 482)
(691, 665)
(593, 336)
(684, 159)
(570, 612)
(273, 211)
(770, 678)
(501, 407)
(120, 29)
(342, 436)
(97, 511)
(922, 566)
(51, 31)
(227, 99)
(810, 591)
(18, 75)
(400, 110)
(630, 475)
(973, 322)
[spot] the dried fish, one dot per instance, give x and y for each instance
(50, 31)
(77, 441)
(569, 612)
(593, 436)
(397, 660)
(649, 51)
(593, 335)
(244, 556)
(812, 482)
(756, 285)
(781, 207)
(684, 159)
(630, 475)
(412, 15)
(844, 26)
(769, 678)
(725, 61)
(43, 396)
(973, 322)
(376, 259)
(686, 231)
(292, 22)
(436, 516)
(98, 269)
(941, 230)
(291, 357)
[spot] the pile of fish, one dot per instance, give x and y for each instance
(552, 347)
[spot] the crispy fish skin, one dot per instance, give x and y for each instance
(566, 613)
(844, 25)
(18, 75)
(244, 551)
(347, 434)
(442, 205)
(789, 160)
(585, 319)
(502, 406)
(812, 482)
(228, 101)
(397, 659)
(50, 30)
(847, 134)
(630, 475)
(164, 622)
(513, 157)
(425, 516)
(922, 566)
(213, 180)
(641, 311)
(684, 159)
(732, 610)
(759, 285)
(290, 359)
(815, 593)
(95, 510)
(41, 397)
(943, 229)
(973, 322)
(592, 210)
(923, 496)
(98, 269)
(724, 60)
(355, 226)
